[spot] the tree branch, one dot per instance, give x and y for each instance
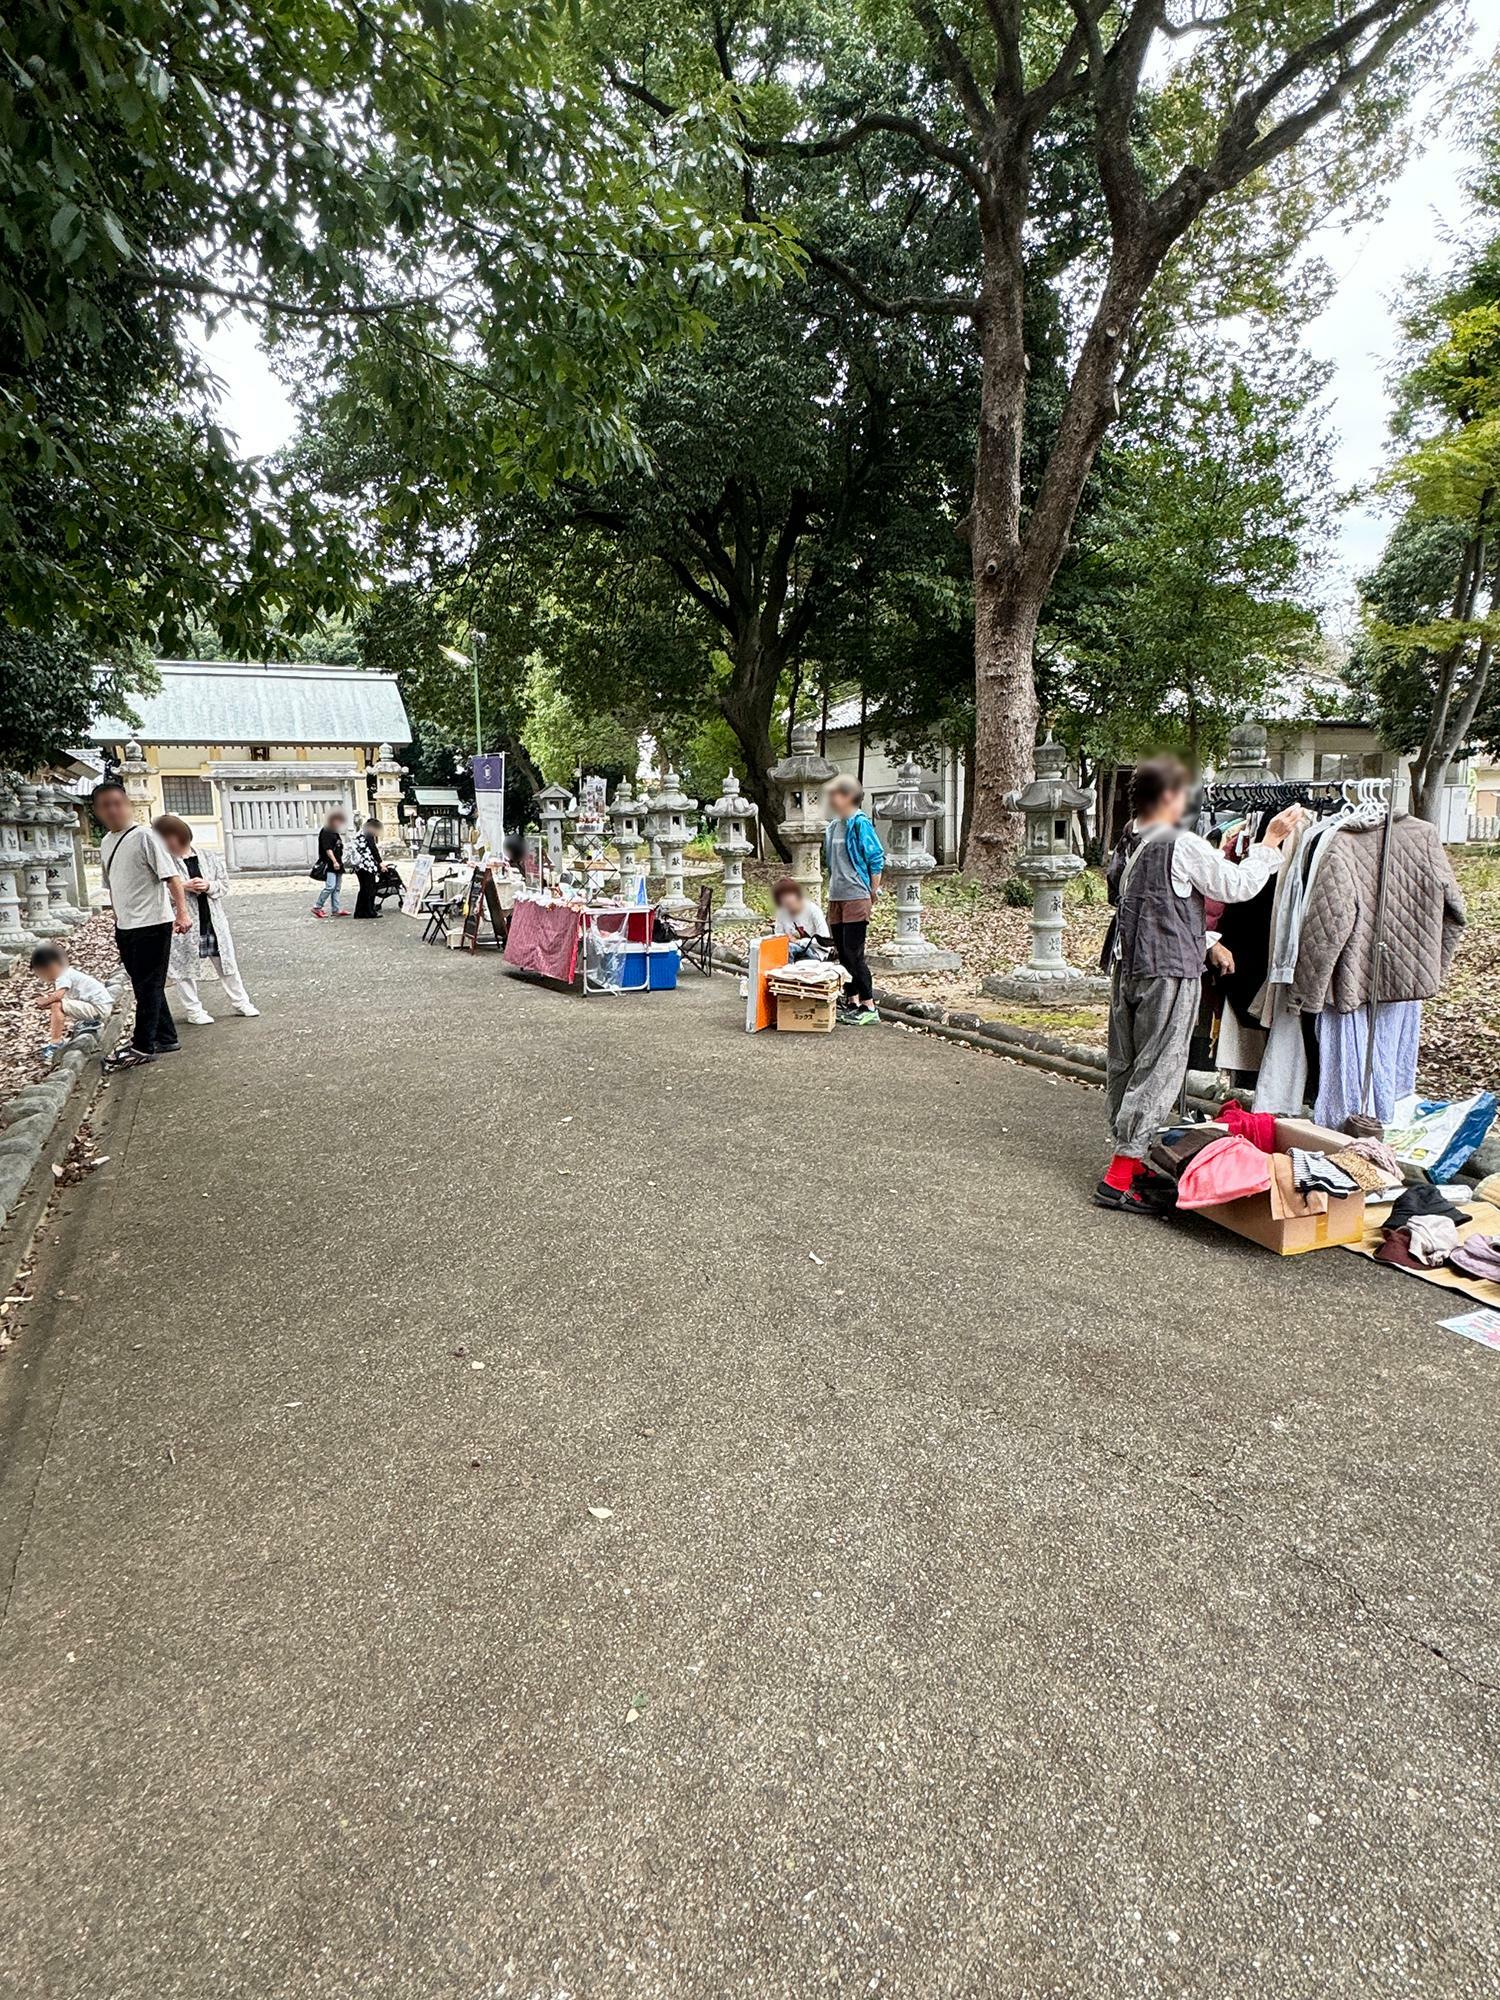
(938, 305)
(874, 121)
(954, 64)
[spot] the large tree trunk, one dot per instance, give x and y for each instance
(1006, 605)
(1013, 572)
(747, 705)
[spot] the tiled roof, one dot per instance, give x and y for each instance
(250, 702)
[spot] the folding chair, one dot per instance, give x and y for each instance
(695, 936)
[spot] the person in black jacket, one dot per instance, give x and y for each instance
(367, 866)
(330, 865)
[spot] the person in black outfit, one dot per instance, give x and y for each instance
(330, 866)
(367, 866)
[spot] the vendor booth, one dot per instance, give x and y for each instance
(606, 948)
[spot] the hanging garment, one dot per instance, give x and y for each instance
(1239, 1049)
(1424, 919)
(1342, 1039)
(1304, 849)
(1281, 1086)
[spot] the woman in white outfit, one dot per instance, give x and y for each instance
(208, 948)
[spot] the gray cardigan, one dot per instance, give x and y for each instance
(1424, 919)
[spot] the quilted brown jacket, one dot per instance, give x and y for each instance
(1424, 919)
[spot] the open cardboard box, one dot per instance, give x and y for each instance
(1256, 1215)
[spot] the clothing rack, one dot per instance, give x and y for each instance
(1317, 796)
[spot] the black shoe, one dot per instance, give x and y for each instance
(1130, 1201)
(169, 1048)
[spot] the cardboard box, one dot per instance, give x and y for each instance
(813, 1015)
(1293, 1235)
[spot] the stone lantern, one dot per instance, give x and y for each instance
(1047, 862)
(676, 818)
(135, 774)
(388, 775)
(731, 814)
(36, 846)
(910, 812)
(1248, 762)
(800, 778)
(627, 812)
(59, 840)
(14, 935)
(554, 808)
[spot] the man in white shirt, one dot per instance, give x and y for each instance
(146, 893)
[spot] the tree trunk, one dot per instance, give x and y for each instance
(1014, 572)
(747, 708)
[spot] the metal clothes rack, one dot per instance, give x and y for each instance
(1275, 794)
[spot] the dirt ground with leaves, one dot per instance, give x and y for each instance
(1461, 1028)
(23, 1025)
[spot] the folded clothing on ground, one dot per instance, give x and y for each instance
(1228, 1170)
(1315, 1171)
(1433, 1239)
(1422, 1200)
(1396, 1249)
(1477, 1257)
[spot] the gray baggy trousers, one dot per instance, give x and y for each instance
(1150, 1027)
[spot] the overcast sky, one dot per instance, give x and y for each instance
(1357, 333)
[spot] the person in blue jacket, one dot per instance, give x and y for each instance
(855, 861)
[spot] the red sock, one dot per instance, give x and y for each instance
(1122, 1171)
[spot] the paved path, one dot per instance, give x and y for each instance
(1020, 1600)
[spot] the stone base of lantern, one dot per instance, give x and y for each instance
(919, 956)
(1047, 989)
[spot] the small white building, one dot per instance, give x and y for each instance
(1331, 748)
(882, 760)
(254, 756)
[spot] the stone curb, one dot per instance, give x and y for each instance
(1071, 1059)
(37, 1126)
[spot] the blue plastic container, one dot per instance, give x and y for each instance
(666, 961)
(633, 972)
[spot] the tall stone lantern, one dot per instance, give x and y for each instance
(36, 846)
(676, 818)
(1047, 863)
(627, 812)
(59, 838)
(800, 777)
(554, 808)
(731, 814)
(14, 935)
(388, 775)
(910, 812)
(135, 774)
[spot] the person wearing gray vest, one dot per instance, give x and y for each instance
(1160, 879)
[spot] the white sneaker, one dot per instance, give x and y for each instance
(201, 1020)
(250, 1013)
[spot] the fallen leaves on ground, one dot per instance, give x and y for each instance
(23, 1025)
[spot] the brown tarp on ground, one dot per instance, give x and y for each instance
(1483, 1221)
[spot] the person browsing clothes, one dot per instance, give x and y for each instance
(855, 861)
(1160, 877)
